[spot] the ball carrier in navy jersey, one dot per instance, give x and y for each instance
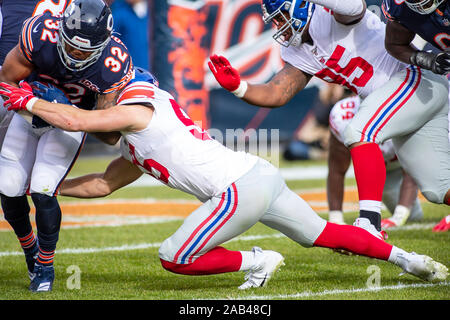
(77, 53)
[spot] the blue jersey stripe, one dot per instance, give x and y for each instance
(183, 259)
(392, 105)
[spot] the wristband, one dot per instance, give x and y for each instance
(241, 90)
(31, 103)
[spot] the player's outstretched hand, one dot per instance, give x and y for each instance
(438, 63)
(441, 63)
(227, 76)
(21, 98)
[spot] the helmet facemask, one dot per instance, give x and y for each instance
(288, 22)
(424, 6)
(81, 44)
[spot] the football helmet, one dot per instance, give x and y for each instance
(424, 6)
(140, 74)
(290, 17)
(86, 25)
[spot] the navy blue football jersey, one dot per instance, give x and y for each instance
(15, 12)
(434, 27)
(111, 72)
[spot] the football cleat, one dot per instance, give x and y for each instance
(30, 258)
(443, 225)
(267, 263)
(424, 267)
(398, 219)
(365, 224)
(43, 280)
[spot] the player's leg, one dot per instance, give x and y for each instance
(56, 153)
(400, 197)
(291, 215)
(409, 100)
(194, 249)
(338, 163)
(16, 161)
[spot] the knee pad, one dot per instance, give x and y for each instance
(48, 213)
(13, 182)
(165, 252)
(15, 208)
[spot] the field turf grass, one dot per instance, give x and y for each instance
(122, 262)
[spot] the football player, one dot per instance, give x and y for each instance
(400, 191)
(159, 139)
(430, 19)
(342, 42)
(78, 53)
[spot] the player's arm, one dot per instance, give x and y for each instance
(103, 102)
(71, 118)
(275, 93)
(345, 12)
(398, 43)
(15, 67)
(120, 172)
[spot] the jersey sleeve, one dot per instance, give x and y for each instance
(35, 35)
(137, 93)
(390, 9)
(117, 67)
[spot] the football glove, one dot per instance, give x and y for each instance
(49, 92)
(21, 98)
(227, 76)
(438, 63)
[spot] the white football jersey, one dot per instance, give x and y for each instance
(176, 151)
(353, 56)
(341, 114)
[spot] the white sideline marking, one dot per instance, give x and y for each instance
(309, 294)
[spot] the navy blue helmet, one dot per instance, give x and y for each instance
(290, 16)
(423, 6)
(86, 25)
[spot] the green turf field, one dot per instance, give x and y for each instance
(122, 262)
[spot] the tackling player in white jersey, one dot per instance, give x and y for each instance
(342, 42)
(237, 189)
(400, 191)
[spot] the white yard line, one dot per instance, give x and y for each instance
(309, 294)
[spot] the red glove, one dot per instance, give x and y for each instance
(227, 76)
(443, 225)
(21, 98)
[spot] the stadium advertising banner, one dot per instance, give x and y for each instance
(183, 36)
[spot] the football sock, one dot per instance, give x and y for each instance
(16, 211)
(353, 239)
(217, 260)
(370, 175)
(28, 242)
(48, 221)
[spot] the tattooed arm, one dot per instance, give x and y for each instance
(106, 101)
(279, 90)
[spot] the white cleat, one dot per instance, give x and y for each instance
(365, 224)
(425, 267)
(267, 263)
